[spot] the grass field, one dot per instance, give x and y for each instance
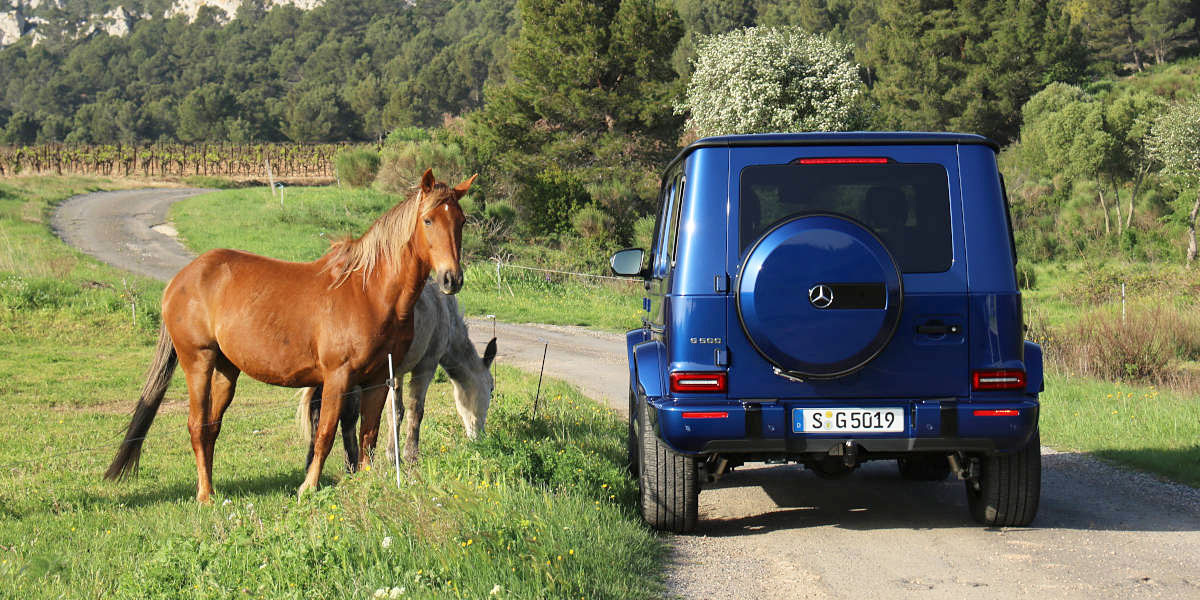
(300, 229)
(540, 507)
(1136, 425)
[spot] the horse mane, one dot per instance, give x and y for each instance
(387, 237)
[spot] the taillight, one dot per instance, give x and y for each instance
(706, 415)
(848, 160)
(998, 379)
(698, 382)
(997, 412)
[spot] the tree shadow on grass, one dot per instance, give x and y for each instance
(1177, 464)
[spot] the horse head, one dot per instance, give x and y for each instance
(439, 231)
(473, 399)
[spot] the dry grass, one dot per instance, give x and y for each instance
(1155, 344)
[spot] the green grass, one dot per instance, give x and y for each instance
(472, 516)
(1065, 290)
(301, 229)
(501, 511)
(1140, 426)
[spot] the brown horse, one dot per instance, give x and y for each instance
(329, 322)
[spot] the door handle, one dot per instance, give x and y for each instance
(935, 328)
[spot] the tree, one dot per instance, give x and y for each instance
(968, 65)
(1064, 129)
(595, 65)
(767, 79)
(1112, 31)
(316, 115)
(21, 129)
(589, 93)
(1128, 118)
(1166, 27)
(1173, 143)
(203, 112)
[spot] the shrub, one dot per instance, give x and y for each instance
(356, 168)
(592, 223)
(1026, 276)
(402, 135)
(404, 162)
(1147, 345)
(548, 199)
(763, 79)
(208, 181)
(643, 233)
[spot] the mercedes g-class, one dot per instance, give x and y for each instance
(832, 299)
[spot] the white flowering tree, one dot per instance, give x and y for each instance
(765, 79)
(1173, 142)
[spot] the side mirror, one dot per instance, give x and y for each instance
(628, 262)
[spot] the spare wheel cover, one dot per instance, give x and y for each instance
(819, 296)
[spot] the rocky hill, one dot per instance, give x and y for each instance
(42, 19)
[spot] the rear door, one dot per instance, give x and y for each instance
(909, 199)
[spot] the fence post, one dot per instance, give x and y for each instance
(392, 395)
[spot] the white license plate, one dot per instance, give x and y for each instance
(847, 420)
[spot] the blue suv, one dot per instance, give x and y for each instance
(830, 299)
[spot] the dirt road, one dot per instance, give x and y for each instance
(780, 532)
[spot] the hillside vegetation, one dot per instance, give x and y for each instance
(568, 109)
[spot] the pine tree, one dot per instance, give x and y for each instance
(968, 65)
(1166, 27)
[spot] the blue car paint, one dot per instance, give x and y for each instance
(978, 294)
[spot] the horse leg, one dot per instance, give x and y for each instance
(370, 408)
(335, 386)
(349, 418)
(414, 404)
(198, 369)
(223, 385)
(314, 414)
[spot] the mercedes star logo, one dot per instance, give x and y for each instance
(820, 295)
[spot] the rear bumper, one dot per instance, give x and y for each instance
(753, 428)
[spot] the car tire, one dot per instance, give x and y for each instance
(924, 467)
(631, 441)
(1008, 488)
(669, 484)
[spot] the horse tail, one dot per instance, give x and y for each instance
(304, 413)
(158, 376)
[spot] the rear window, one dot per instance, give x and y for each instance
(906, 205)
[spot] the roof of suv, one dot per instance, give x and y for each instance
(847, 138)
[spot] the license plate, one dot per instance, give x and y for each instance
(847, 420)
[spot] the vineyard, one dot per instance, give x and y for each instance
(173, 160)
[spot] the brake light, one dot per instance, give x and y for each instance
(698, 382)
(706, 415)
(849, 160)
(998, 379)
(999, 412)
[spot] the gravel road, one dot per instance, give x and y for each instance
(771, 532)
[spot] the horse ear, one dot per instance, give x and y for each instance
(466, 185)
(490, 353)
(427, 180)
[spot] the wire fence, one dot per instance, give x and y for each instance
(505, 274)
